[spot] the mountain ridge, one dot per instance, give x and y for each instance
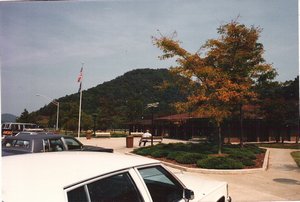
(118, 101)
(6, 117)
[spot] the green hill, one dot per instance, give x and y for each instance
(116, 102)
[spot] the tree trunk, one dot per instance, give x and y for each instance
(220, 138)
(241, 126)
(283, 137)
(278, 135)
(229, 133)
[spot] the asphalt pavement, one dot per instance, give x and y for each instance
(279, 182)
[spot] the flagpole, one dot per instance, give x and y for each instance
(79, 113)
(80, 100)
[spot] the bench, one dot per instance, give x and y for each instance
(102, 134)
(148, 139)
(137, 134)
(200, 139)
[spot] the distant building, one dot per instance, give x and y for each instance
(187, 126)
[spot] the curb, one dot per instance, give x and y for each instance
(218, 171)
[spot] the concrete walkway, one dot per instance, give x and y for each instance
(281, 181)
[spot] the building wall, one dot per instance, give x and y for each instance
(254, 130)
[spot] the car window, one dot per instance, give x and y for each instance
(14, 127)
(8, 143)
(163, 187)
(53, 145)
(30, 125)
(72, 143)
(24, 144)
(5, 126)
(77, 195)
(56, 144)
(117, 188)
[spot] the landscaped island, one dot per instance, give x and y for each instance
(205, 155)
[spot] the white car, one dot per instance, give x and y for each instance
(90, 176)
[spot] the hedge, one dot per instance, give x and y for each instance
(191, 153)
(172, 155)
(189, 158)
(159, 153)
(219, 163)
(145, 151)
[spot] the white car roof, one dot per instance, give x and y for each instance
(28, 176)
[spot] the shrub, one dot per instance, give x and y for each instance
(145, 151)
(219, 163)
(118, 135)
(254, 148)
(245, 157)
(172, 155)
(189, 158)
(197, 153)
(159, 153)
(244, 160)
(180, 147)
(162, 146)
(239, 153)
(247, 162)
(203, 148)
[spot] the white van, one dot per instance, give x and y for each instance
(14, 128)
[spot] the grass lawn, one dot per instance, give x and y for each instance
(205, 155)
(280, 145)
(296, 156)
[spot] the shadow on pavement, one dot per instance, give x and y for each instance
(287, 181)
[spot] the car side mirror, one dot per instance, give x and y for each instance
(188, 194)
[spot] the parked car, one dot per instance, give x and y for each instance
(90, 176)
(31, 142)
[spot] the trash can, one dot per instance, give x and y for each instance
(129, 141)
(88, 134)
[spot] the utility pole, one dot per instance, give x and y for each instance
(152, 105)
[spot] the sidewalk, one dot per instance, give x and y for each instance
(119, 144)
(281, 181)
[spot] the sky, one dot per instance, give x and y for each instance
(43, 44)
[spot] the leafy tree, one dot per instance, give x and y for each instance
(87, 121)
(25, 118)
(238, 53)
(222, 73)
(71, 124)
(280, 104)
(211, 88)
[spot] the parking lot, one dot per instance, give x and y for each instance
(280, 182)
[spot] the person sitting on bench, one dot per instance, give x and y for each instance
(146, 134)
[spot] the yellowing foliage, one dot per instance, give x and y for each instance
(224, 76)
